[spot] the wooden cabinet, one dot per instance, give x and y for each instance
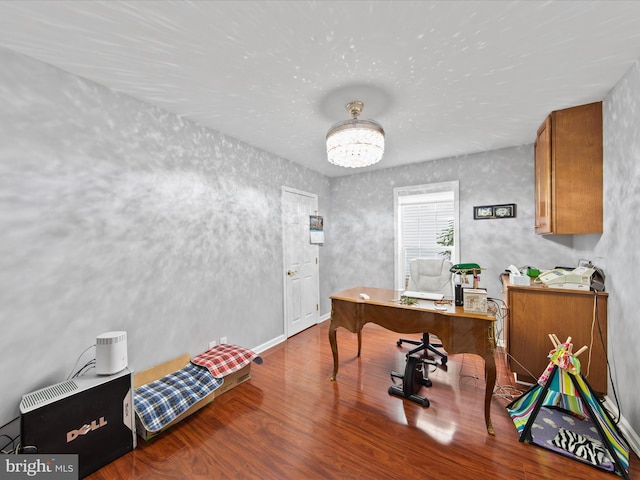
(537, 311)
(568, 171)
(543, 177)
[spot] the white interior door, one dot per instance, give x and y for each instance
(301, 285)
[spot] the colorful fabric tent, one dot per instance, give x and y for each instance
(562, 413)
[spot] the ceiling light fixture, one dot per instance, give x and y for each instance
(355, 143)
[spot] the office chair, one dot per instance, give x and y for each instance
(429, 275)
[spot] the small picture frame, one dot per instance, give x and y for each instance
(484, 211)
(507, 210)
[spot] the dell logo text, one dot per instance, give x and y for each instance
(95, 424)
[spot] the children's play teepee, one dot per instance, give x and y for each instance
(561, 413)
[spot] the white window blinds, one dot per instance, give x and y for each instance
(426, 225)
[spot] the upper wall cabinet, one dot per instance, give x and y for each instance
(568, 171)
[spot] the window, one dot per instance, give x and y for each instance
(426, 225)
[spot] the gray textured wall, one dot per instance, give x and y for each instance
(620, 242)
(116, 215)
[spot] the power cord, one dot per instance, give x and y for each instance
(507, 392)
(85, 368)
(596, 320)
(14, 446)
(12, 440)
(71, 374)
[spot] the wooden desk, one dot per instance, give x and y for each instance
(459, 332)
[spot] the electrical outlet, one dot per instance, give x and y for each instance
(223, 339)
(212, 343)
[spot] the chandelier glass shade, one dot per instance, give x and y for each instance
(355, 143)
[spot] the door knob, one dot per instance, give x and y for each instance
(291, 272)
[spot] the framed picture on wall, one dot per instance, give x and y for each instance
(316, 229)
(505, 211)
(485, 211)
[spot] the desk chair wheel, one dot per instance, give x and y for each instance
(412, 380)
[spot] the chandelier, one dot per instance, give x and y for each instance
(355, 143)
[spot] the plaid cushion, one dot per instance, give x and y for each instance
(160, 402)
(224, 359)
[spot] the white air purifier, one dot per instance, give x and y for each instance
(111, 353)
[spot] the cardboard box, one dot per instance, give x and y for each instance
(149, 375)
(234, 379)
(159, 371)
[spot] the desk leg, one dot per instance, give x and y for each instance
(334, 349)
(490, 376)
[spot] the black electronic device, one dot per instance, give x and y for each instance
(459, 295)
(91, 416)
(412, 380)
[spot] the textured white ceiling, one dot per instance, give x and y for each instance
(443, 78)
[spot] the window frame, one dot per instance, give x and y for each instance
(429, 188)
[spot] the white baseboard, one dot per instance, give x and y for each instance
(281, 338)
(269, 344)
(629, 434)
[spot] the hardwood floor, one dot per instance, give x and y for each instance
(289, 421)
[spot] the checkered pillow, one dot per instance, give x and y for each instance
(224, 359)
